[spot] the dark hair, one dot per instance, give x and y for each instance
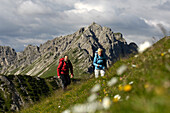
(65, 55)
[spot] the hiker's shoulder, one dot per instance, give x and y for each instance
(61, 59)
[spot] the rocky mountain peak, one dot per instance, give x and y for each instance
(94, 25)
(31, 47)
(80, 46)
(119, 36)
(8, 56)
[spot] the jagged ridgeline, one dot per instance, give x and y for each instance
(20, 91)
(42, 61)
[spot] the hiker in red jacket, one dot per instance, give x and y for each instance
(63, 71)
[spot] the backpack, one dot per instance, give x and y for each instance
(104, 60)
(62, 60)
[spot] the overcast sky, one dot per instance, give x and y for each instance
(24, 22)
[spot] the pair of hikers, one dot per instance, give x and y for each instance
(65, 65)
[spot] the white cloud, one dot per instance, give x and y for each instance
(81, 7)
(30, 40)
(144, 46)
(156, 22)
(43, 19)
(138, 38)
(29, 7)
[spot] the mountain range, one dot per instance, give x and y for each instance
(80, 46)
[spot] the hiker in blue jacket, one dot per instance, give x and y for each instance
(100, 63)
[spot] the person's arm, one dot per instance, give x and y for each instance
(71, 69)
(95, 61)
(59, 69)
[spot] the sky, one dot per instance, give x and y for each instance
(24, 22)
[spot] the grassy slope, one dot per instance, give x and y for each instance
(150, 90)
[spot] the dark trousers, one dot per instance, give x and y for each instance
(65, 80)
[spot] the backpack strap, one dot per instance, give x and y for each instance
(96, 55)
(62, 62)
(104, 60)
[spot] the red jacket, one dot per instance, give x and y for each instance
(63, 67)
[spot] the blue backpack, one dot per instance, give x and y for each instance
(104, 59)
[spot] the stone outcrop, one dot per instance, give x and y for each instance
(19, 91)
(8, 57)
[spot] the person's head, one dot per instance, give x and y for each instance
(100, 51)
(65, 58)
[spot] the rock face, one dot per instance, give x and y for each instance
(8, 57)
(80, 46)
(20, 91)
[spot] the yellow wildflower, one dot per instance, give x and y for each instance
(159, 90)
(127, 88)
(104, 91)
(146, 85)
(115, 99)
(162, 54)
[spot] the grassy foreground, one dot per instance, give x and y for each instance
(148, 92)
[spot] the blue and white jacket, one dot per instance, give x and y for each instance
(99, 61)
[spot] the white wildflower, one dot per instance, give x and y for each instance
(127, 97)
(131, 82)
(87, 107)
(166, 84)
(168, 50)
(112, 82)
(66, 111)
(136, 56)
(59, 106)
(167, 67)
(92, 97)
(117, 96)
(95, 88)
(121, 69)
(144, 46)
(133, 65)
(106, 102)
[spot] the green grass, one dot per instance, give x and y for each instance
(51, 72)
(150, 91)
